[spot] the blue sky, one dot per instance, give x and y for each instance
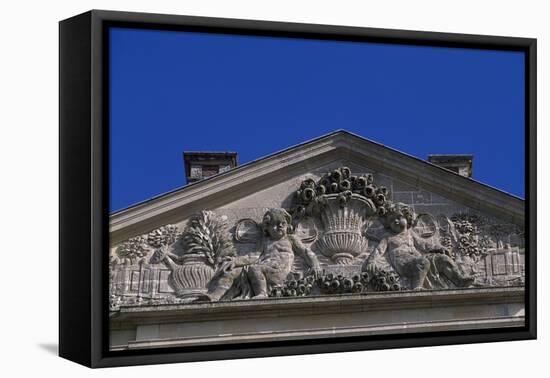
(176, 91)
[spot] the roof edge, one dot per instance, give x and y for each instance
(416, 169)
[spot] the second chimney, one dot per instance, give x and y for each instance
(461, 164)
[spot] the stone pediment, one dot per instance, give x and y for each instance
(339, 215)
(268, 181)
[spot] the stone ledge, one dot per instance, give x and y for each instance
(128, 316)
(316, 317)
(412, 327)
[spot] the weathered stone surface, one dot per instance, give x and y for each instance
(419, 245)
(316, 317)
(322, 220)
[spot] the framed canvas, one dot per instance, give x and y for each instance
(236, 188)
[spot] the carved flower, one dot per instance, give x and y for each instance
(360, 182)
(308, 183)
(162, 236)
(133, 249)
(308, 194)
(370, 178)
(340, 181)
(380, 199)
(345, 185)
(445, 241)
(335, 175)
(369, 191)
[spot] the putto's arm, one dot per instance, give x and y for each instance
(378, 251)
(427, 246)
(370, 263)
(299, 248)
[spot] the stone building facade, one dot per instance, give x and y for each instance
(336, 236)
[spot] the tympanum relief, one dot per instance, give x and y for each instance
(343, 234)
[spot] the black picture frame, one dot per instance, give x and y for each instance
(84, 187)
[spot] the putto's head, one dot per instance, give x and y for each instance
(399, 217)
(276, 223)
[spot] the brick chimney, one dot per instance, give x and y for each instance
(203, 164)
(461, 164)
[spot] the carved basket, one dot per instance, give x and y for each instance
(191, 278)
(344, 221)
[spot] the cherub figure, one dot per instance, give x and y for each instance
(242, 278)
(419, 262)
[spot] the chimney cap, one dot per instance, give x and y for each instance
(458, 163)
(203, 164)
(451, 156)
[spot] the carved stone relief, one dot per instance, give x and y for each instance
(343, 234)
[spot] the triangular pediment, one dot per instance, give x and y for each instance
(272, 181)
